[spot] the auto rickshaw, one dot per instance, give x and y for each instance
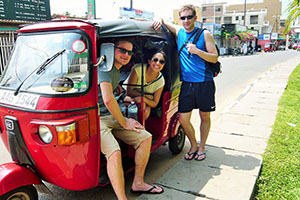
(49, 115)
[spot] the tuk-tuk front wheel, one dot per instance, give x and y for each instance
(176, 143)
(22, 193)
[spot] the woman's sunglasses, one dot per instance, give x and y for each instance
(187, 17)
(124, 51)
(156, 60)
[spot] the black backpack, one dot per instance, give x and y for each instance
(214, 67)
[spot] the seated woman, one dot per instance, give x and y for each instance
(153, 82)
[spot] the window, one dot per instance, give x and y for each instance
(236, 18)
(218, 20)
(242, 17)
(218, 9)
(203, 8)
(69, 63)
(254, 19)
(227, 20)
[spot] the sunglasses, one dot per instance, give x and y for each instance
(187, 17)
(156, 60)
(124, 51)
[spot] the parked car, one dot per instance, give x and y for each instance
(281, 47)
(269, 47)
(296, 46)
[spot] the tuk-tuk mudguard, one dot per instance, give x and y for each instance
(13, 176)
(174, 126)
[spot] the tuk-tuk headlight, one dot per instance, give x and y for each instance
(45, 134)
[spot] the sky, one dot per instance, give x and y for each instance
(108, 9)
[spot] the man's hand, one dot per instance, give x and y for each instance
(134, 125)
(157, 25)
(119, 90)
(192, 48)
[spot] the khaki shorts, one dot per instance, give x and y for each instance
(110, 129)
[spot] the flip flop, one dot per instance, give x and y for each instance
(150, 191)
(193, 154)
(201, 154)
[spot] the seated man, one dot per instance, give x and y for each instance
(113, 124)
(153, 82)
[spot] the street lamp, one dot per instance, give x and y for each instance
(245, 13)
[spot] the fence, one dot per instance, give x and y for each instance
(7, 40)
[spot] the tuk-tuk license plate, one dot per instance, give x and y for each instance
(24, 100)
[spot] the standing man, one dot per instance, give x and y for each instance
(198, 88)
(113, 124)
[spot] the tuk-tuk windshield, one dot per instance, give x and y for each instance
(54, 63)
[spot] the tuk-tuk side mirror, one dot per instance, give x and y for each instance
(107, 55)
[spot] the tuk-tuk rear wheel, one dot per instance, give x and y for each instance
(22, 193)
(176, 143)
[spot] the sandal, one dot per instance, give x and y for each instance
(193, 154)
(200, 154)
(150, 191)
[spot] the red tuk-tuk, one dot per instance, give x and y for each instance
(49, 119)
(269, 47)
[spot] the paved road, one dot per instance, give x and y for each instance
(238, 73)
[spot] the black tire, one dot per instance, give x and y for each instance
(26, 192)
(176, 143)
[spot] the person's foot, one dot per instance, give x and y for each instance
(149, 189)
(190, 155)
(200, 155)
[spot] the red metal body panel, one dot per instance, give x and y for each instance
(13, 176)
(164, 125)
(74, 167)
(53, 26)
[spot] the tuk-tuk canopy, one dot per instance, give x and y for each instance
(125, 27)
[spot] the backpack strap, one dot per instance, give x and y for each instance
(196, 38)
(188, 40)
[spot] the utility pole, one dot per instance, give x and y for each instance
(275, 25)
(245, 13)
(131, 4)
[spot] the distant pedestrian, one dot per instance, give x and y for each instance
(198, 88)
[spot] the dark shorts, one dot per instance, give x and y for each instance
(197, 95)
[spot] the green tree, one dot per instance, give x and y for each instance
(293, 12)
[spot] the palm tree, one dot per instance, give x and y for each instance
(294, 12)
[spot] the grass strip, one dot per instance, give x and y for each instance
(280, 174)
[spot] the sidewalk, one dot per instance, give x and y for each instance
(237, 140)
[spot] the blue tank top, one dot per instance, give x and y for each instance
(192, 69)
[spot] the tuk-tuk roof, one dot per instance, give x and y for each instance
(124, 27)
(104, 28)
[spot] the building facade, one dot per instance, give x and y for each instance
(264, 17)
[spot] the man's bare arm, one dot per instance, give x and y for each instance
(172, 27)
